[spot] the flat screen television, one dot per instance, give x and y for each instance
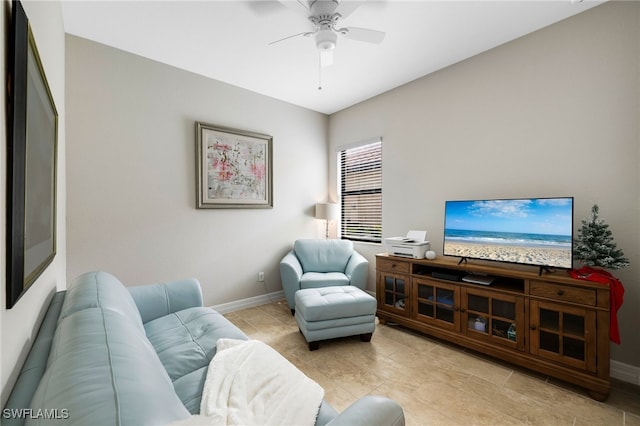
(531, 231)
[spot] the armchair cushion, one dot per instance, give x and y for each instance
(323, 255)
(326, 279)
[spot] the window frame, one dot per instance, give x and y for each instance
(372, 164)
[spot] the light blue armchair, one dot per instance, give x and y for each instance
(321, 263)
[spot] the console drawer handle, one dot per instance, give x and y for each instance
(560, 292)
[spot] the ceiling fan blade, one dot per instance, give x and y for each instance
(265, 7)
(306, 33)
(326, 58)
(364, 34)
(347, 7)
(296, 5)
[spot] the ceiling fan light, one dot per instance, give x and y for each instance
(326, 40)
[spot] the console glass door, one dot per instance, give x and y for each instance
(395, 292)
(563, 333)
(436, 303)
(495, 317)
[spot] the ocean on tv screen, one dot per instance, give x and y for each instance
(531, 231)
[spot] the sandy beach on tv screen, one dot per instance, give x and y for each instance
(531, 255)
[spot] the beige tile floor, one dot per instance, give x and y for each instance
(434, 382)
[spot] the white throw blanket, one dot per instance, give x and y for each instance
(249, 383)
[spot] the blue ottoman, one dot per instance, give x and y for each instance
(339, 311)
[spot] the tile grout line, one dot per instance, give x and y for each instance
(507, 379)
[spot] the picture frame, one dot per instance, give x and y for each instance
(234, 168)
(32, 145)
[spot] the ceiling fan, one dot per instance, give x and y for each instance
(324, 15)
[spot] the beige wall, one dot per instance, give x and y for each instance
(554, 113)
(131, 176)
(19, 324)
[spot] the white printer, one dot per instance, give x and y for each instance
(414, 245)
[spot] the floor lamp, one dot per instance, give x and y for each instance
(327, 211)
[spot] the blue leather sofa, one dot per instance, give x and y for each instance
(107, 354)
(314, 263)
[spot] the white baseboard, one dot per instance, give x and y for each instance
(625, 372)
(251, 302)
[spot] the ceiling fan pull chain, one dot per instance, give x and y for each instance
(319, 70)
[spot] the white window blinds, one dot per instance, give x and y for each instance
(361, 192)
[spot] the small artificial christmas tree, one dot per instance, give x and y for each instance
(594, 245)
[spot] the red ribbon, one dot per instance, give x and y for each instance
(617, 293)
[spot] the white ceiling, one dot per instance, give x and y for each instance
(228, 40)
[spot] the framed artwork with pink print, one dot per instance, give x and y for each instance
(234, 168)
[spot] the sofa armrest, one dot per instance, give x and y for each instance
(371, 411)
(290, 274)
(357, 270)
(36, 363)
(157, 300)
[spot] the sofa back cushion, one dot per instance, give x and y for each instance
(102, 370)
(100, 289)
(323, 255)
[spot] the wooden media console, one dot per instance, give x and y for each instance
(549, 323)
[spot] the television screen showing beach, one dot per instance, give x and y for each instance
(535, 231)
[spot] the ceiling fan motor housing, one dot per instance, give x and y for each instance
(326, 39)
(323, 7)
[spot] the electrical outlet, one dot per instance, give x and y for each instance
(260, 277)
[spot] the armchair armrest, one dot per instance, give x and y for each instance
(156, 300)
(290, 273)
(371, 411)
(357, 270)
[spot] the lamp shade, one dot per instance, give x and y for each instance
(327, 211)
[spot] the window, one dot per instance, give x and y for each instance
(360, 187)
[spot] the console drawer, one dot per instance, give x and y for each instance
(583, 296)
(390, 265)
